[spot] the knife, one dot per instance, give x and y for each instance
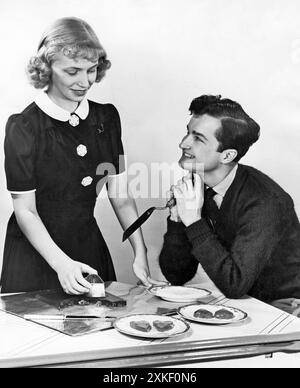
(60, 317)
(138, 223)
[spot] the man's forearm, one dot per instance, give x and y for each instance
(177, 263)
(234, 270)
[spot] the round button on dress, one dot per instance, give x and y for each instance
(74, 120)
(81, 150)
(87, 181)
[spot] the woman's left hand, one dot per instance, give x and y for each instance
(141, 270)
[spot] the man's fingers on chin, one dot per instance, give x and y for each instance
(197, 180)
(190, 185)
(187, 177)
(177, 192)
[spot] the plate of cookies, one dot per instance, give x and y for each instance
(212, 314)
(151, 325)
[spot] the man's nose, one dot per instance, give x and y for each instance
(185, 142)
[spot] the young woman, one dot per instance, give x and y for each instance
(56, 152)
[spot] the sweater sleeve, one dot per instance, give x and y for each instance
(234, 271)
(176, 261)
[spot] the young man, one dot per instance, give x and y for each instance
(243, 230)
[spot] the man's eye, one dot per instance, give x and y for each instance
(198, 139)
(93, 70)
(72, 72)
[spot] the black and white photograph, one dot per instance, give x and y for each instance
(150, 186)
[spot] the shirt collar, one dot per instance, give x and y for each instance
(222, 187)
(43, 101)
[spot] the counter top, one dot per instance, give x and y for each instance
(26, 343)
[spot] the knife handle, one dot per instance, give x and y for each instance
(171, 202)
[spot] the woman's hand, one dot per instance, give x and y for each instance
(126, 211)
(70, 272)
(70, 275)
(141, 270)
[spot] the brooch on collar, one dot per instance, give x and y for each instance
(74, 120)
(101, 129)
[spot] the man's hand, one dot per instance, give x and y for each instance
(189, 199)
(173, 210)
(70, 275)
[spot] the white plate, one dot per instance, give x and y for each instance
(181, 294)
(188, 313)
(123, 325)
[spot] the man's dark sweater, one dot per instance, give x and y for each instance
(254, 248)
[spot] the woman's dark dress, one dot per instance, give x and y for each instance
(42, 153)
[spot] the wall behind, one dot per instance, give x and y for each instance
(164, 53)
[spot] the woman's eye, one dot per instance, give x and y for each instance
(72, 72)
(92, 71)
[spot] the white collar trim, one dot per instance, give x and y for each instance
(222, 187)
(43, 101)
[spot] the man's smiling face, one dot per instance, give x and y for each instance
(199, 146)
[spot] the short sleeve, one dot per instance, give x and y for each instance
(116, 138)
(19, 149)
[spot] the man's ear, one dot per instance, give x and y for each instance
(228, 156)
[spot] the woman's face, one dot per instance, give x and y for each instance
(71, 78)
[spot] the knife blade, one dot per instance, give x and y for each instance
(61, 317)
(137, 224)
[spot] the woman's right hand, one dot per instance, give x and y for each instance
(70, 275)
(70, 272)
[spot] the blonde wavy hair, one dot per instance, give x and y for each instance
(75, 39)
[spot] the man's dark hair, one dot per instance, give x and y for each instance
(238, 130)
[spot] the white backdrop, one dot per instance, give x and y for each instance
(164, 53)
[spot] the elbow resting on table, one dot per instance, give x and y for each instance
(178, 278)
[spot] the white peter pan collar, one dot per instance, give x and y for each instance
(43, 101)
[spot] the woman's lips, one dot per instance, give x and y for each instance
(79, 92)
